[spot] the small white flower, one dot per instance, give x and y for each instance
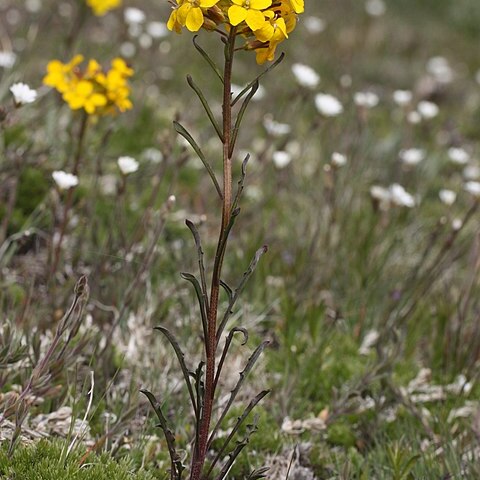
(412, 156)
(64, 180)
(152, 155)
(473, 188)
(366, 99)
(458, 155)
(375, 8)
(145, 41)
(281, 158)
(274, 128)
(328, 105)
(414, 117)
(427, 109)
(380, 193)
(447, 197)
(306, 76)
(157, 29)
(440, 69)
(23, 94)
(338, 159)
(7, 59)
(471, 172)
(401, 197)
(134, 15)
(402, 97)
(457, 224)
(128, 49)
(127, 165)
(314, 25)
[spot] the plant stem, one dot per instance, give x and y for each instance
(69, 199)
(210, 342)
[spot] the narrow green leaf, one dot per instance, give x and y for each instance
(246, 276)
(206, 106)
(240, 115)
(181, 360)
(207, 58)
(181, 130)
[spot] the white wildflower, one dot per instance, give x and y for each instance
(440, 69)
(366, 99)
(402, 97)
(328, 105)
(338, 159)
(471, 172)
(375, 8)
(274, 128)
(473, 188)
(447, 197)
(7, 59)
(23, 94)
(281, 158)
(305, 75)
(414, 117)
(412, 156)
(64, 180)
(428, 109)
(157, 29)
(458, 155)
(134, 15)
(314, 25)
(401, 197)
(127, 165)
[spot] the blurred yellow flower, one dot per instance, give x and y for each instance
(101, 7)
(95, 91)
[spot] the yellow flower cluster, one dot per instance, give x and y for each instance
(264, 23)
(101, 7)
(96, 91)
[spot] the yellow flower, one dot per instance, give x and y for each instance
(298, 5)
(248, 11)
(60, 75)
(95, 91)
(101, 7)
(189, 14)
(83, 95)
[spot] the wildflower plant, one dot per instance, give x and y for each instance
(261, 25)
(94, 92)
(101, 7)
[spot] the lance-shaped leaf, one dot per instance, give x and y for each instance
(228, 342)
(177, 466)
(241, 183)
(200, 391)
(256, 79)
(201, 264)
(259, 473)
(181, 360)
(240, 420)
(181, 130)
(251, 429)
(251, 268)
(206, 106)
(233, 394)
(208, 59)
(228, 289)
(240, 115)
(201, 300)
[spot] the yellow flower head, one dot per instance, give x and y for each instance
(263, 23)
(101, 7)
(95, 91)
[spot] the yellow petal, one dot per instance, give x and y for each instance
(255, 19)
(208, 3)
(237, 14)
(260, 4)
(195, 19)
